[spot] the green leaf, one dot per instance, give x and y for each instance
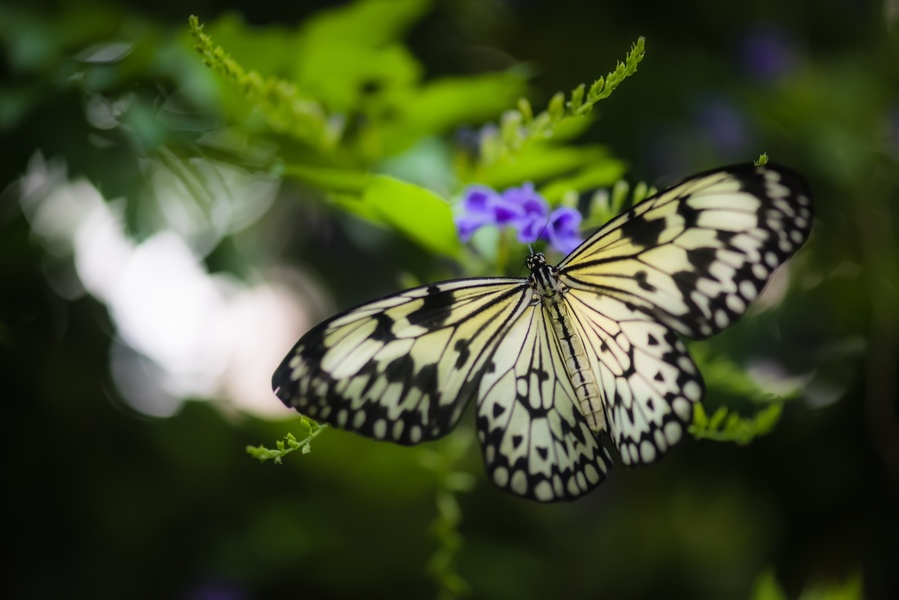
(558, 112)
(441, 105)
(286, 109)
(765, 587)
(600, 174)
(539, 162)
(725, 426)
(266, 49)
(341, 74)
(312, 429)
(344, 53)
(419, 213)
(367, 23)
(331, 179)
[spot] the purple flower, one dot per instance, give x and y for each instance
(532, 212)
(523, 209)
(564, 229)
(769, 54)
(724, 125)
(483, 206)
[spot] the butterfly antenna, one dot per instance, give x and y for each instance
(545, 227)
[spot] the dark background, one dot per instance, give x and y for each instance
(106, 502)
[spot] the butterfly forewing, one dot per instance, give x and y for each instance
(401, 368)
(695, 255)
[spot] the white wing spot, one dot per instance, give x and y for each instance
(380, 429)
(735, 303)
(519, 482)
(647, 451)
(747, 290)
(692, 391)
(501, 476)
(673, 432)
(592, 474)
(682, 408)
(686, 364)
(581, 480)
(661, 443)
(721, 319)
(632, 450)
(543, 491)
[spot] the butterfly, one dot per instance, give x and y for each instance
(555, 361)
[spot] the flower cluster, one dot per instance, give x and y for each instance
(523, 209)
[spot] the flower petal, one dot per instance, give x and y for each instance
(564, 229)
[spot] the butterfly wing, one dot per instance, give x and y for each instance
(689, 259)
(697, 254)
(402, 368)
(535, 441)
(646, 379)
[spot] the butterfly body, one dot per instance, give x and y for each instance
(553, 361)
(544, 279)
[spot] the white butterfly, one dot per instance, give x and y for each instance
(557, 358)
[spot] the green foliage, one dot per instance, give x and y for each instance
(349, 72)
(418, 213)
(766, 587)
(726, 425)
(289, 443)
(762, 159)
(605, 204)
(520, 127)
(829, 111)
(341, 57)
(285, 108)
(445, 527)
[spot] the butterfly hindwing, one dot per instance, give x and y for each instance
(535, 441)
(694, 256)
(402, 368)
(647, 381)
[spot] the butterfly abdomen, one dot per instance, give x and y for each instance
(545, 281)
(577, 366)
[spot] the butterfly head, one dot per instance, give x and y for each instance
(543, 276)
(535, 261)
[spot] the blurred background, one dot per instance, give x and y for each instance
(165, 238)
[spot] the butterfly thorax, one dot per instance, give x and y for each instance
(544, 278)
(545, 281)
